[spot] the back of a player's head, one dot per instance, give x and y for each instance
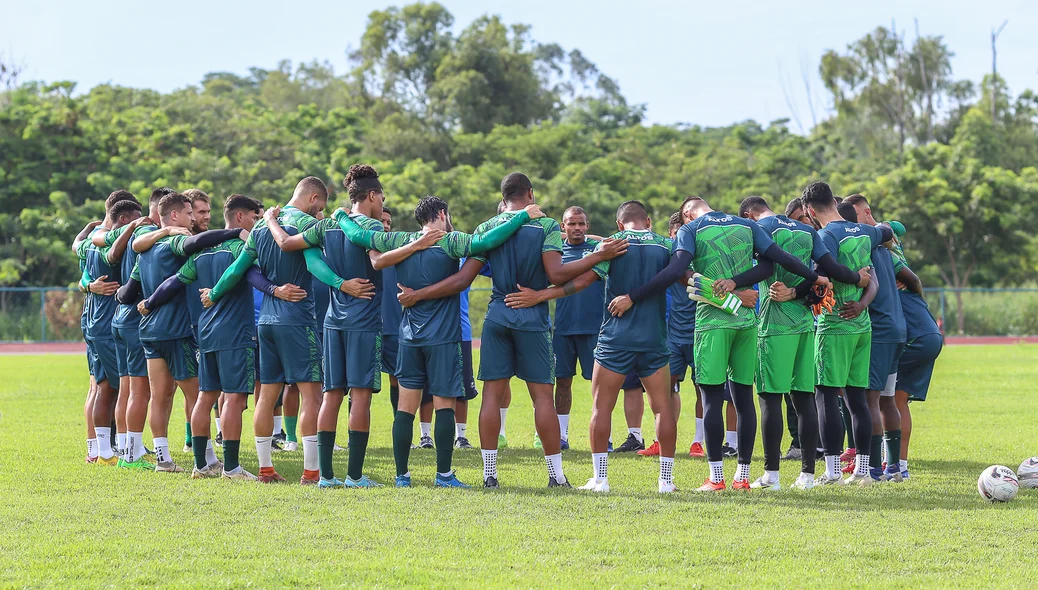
(360, 182)
(847, 211)
(631, 211)
(238, 202)
(173, 202)
(793, 206)
(753, 205)
(428, 209)
(515, 186)
(157, 194)
(117, 196)
(127, 207)
(691, 204)
(676, 221)
(196, 194)
(819, 196)
(857, 200)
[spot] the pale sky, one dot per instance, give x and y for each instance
(706, 63)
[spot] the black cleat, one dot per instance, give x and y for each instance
(280, 437)
(219, 439)
(728, 451)
(553, 483)
(630, 445)
(426, 443)
(462, 443)
(275, 445)
(793, 454)
(490, 483)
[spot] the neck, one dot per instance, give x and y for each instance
(515, 205)
(576, 241)
(298, 204)
(702, 211)
(636, 226)
(768, 213)
(824, 218)
(363, 208)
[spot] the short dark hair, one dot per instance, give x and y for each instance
(575, 210)
(676, 220)
(238, 201)
(361, 180)
(792, 206)
(119, 195)
(515, 185)
(818, 195)
(311, 185)
(172, 202)
(157, 194)
(753, 205)
(847, 211)
(197, 194)
(387, 210)
(123, 207)
(688, 200)
(631, 211)
(857, 199)
(428, 209)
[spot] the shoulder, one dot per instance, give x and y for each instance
(548, 224)
(362, 220)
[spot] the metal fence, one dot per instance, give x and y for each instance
(52, 314)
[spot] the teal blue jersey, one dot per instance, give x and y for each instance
(282, 268)
(126, 315)
(170, 321)
(644, 326)
(392, 311)
(581, 313)
(100, 309)
(349, 261)
(229, 324)
(803, 242)
(518, 262)
(681, 321)
(851, 244)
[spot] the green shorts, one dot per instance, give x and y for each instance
(843, 359)
(786, 362)
(725, 354)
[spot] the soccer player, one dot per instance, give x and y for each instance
(681, 339)
(392, 312)
(844, 339)
(785, 345)
(201, 211)
(88, 406)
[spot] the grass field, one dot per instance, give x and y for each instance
(69, 524)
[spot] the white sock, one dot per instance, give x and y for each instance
(460, 428)
(489, 464)
(903, 464)
(120, 443)
(637, 432)
(504, 414)
(310, 460)
(832, 466)
(771, 476)
(716, 471)
(162, 449)
(610, 439)
(804, 476)
(732, 438)
(700, 431)
(91, 447)
(564, 426)
(667, 469)
(426, 428)
(104, 441)
(861, 464)
(263, 451)
(210, 454)
(555, 467)
(277, 424)
(600, 464)
(134, 446)
(742, 472)
(218, 431)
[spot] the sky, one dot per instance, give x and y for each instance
(702, 63)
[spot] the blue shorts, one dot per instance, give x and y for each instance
(632, 381)
(181, 356)
(883, 361)
(682, 356)
(436, 369)
(390, 348)
(289, 354)
(132, 362)
(229, 371)
(916, 366)
(504, 353)
(352, 359)
(569, 348)
(104, 363)
(643, 363)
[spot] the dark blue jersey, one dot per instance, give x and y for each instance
(100, 309)
(581, 313)
(392, 311)
(644, 326)
(229, 324)
(282, 268)
(681, 319)
(170, 321)
(888, 319)
(127, 316)
(349, 261)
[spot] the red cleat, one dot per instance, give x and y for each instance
(848, 456)
(696, 450)
(652, 451)
(848, 468)
(90, 460)
(743, 484)
(709, 486)
(268, 475)
(310, 478)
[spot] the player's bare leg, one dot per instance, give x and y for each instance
(327, 424)
(605, 388)
(122, 397)
(489, 427)
(88, 418)
(103, 406)
(263, 430)
(136, 415)
(661, 402)
(359, 429)
(309, 408)
(206, 464)
(162, 389)
(231, 409)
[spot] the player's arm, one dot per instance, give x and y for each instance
(560, 274)
(853, 309)
(165, 291)
(674, 272)
(207, 239)
(118, 247)
(390, 256)
(906, 277)
(284, 241)
(82, 235)
(104, 237)
(84, 281)
(233, 274)
(526, 297)
(131, 290)
(452, 285)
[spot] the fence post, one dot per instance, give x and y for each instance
(43, 315)
(944, 324)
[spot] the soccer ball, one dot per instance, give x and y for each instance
(998, 484)
(1028, 473)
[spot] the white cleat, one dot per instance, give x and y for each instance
(291, 446)
(241, 474)
(859, 480)
(763, 483)
(204, 473)
(804, 482)
(667, 487)
(595, 485)
(825, 480)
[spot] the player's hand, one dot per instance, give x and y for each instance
(102, 286)
(824, 281)
(523, 298)
(779, 292)
(143, 309)
(723, 287)
(851, 310)
(289, 292)
(748, 297)
(429, 239)
(534, 211)
(359, 288)
(865, 277)
(243, 234)
(93, 224)
(178, 231)
(271, 214)
(203, 294)
(620, 305)
(610, 248)
(407, 296)
(137, 223)
(901, 286)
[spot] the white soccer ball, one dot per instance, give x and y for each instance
(1028, 473)
(998, 483)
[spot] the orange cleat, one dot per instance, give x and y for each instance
(268, 475)
(741, 484)
(310, 477)
(709, 486)
(652, 451)
(848, 468)
(696, 450)
(848, 455)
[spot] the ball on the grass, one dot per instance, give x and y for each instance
(998, 483)
(1027, 475)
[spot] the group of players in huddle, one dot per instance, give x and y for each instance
(170, 304)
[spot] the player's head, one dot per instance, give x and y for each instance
(123, 212)
(575, 225)
(119, 195)
(201, 208)
(818, 199)
(365, 190)
(753, 208)
(310, 196)
(153, 201)
(674, 223)
(517, 188)
(432, 212)
(240, 211)
(692, 207)
(632, 215)
(795, 211)
(387, 219)
(501, 207)
(861, 205)
(847, 211)
(175, 211)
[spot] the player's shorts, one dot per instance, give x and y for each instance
(643, 363)
(916, 366)
(725, 354)
(632, 381)
(289, 354)
(436, 368)
(181, 356)
(504, 353)
(229, 371)
(682, 356)
(883, 359)
(889, 386)
(132, 362)
(352, 359)
(467, 378)
(842, 360)
(104, 361)
(390, 348)
(786, 362)
(569, 348)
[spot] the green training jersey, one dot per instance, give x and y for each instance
(851, 244)
(804, 243)
(172, 320)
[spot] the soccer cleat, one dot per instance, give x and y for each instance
(609, 448)
(325, 484)
(403, 481)
(564, 445)
(630, 445)
(793, 454)
(876, 475)
(859, 480)
(336, 448)
(239, 473)
(696, 450)
(426, 443)
(848, 468)
(272, 477)
(596, 485)
(219, 439)
(554, 483)
(711, 486)
(502, 441)
(825, 480)
(652, 451)
(763, 483)
(188, 448)
(462, 443)
(729, 451)
(848, 455)
(904, 474)
(741, 484)
(218, 466)
(537, 442)
(109, 462)
(276, 446)
(451, 481)
(139, 464)
(291, 446)
(206, 472)
(281, 437)
(893, 476)
(90, 460)
(803, 483)
(666, 487)
(168, 467)
(490, 483)
(309, 481)
(363, 482)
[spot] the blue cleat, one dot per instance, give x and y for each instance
(876, 474)
(609, 449)
(363, 482)
(451, 481)
(325, 484)
(904, 474)
(564, 445)
(403, 481)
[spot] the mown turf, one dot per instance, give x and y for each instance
(69, 524)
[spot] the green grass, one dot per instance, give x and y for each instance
(69, 524)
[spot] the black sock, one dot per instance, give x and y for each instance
(876, 451)
(807, 425)
(325, 446)
(443, 434)
(792, 423)
(713, 420)
(358, 448)
(848, 429)
(771, 429)
(861, 417)
(403, 431)
(893, 442)
(828, 409)
(198, 444)
(230, 454)
(746, 421)
(394, 396)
